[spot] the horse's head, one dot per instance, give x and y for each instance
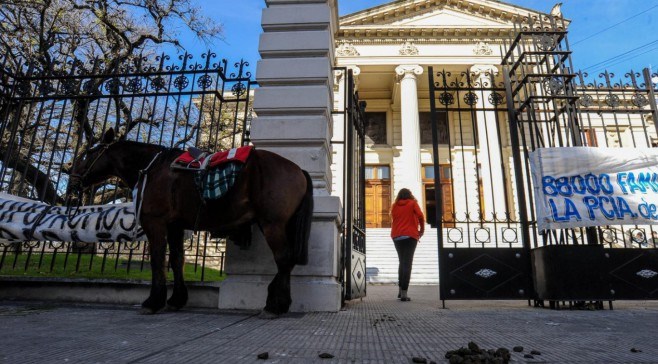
(92, 166)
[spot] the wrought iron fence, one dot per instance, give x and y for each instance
(50, 116)
(618, 112)
(204, 259)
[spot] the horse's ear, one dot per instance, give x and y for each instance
(108, 137)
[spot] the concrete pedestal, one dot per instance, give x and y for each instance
(293, 106)
(314, 287)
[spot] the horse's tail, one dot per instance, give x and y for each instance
(299, 227)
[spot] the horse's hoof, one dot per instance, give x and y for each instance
(172, 308)
(147, 311)
(267, 315)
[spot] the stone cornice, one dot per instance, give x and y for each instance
(492, 42)
(419, 33)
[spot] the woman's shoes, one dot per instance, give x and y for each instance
(403, 295)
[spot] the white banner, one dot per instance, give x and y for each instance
(581, 186)
(27, 220)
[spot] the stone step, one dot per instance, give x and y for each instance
(382, 259)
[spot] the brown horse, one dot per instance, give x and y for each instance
(270, 191)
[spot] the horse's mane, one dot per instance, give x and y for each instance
(167, 151)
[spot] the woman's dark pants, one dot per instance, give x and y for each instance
(405, 249)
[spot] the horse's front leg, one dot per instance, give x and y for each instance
(278, 292)
(156, 234)
(178, 299)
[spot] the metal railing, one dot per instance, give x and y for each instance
(49, 117)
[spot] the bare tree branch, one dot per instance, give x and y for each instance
(43, 36)
(44, 188)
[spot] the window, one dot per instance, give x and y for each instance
(444, 169)
(428, 172)
(378, 172)
(425, 119)
(445, 181)
(375, 127)
(370, 172)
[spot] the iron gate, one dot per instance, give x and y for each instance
(484, 124)
(49, 116)
(550, 105)
(481, 253)
(353, 254)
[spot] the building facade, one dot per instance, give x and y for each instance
(390, 50)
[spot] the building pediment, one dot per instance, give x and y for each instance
(415, 18)
(447, 18)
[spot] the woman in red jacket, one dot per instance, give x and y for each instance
(408, 227)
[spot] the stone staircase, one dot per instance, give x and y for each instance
(382, 259)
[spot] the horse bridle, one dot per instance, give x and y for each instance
(79, 178)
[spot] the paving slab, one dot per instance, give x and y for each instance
(376, 329)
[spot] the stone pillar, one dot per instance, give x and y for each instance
(410, 153)
(293, 106)
(338, 153)
(489, 152)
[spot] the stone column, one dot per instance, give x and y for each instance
(293, 106)
(410, 153)
(489, 150)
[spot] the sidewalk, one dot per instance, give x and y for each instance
(378, 329)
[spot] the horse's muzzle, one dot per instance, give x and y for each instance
(74, 192)
(75, 184)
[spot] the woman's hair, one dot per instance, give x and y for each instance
(405, 194)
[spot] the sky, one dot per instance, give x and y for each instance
(618, 35)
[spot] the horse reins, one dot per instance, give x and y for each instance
(98, 156)
(139, 195)
(143, 176)
(80, 178)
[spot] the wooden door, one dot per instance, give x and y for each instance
(378, 197)
(446, 190)
(448, 203)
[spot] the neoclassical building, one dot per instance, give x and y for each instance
(395, 52)
(390, 49)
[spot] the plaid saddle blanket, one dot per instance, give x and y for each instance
(217, 172)
(218, 180)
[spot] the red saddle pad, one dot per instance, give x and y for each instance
(236, 154)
